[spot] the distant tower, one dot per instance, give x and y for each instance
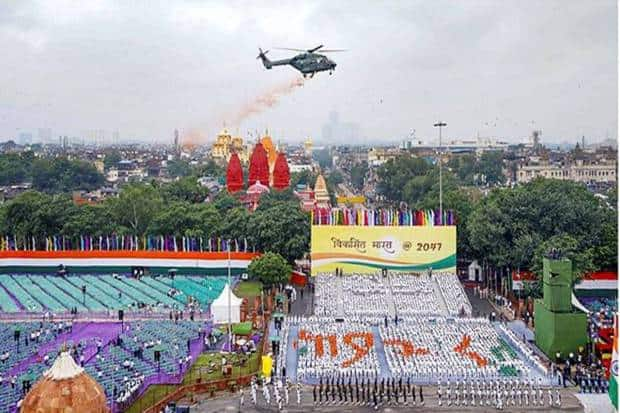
(583, 142)
(176, 139)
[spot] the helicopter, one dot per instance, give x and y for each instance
(307, 62)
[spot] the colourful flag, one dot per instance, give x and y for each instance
(613, 376)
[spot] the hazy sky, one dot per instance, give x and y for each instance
(494, 67)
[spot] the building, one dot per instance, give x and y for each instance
(45, 135)
(225, 144)
(379, 156)
(24, 138)
(321, 195)
(477, 145)
(308, 147)
(579, 171)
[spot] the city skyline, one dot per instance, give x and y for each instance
(146, 70)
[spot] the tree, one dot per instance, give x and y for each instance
(462, 202)
(209, 219)
(612, 196)
(210, 168)
(14, 169)
(179, 168)
(175, 219)
(581, 259)
(136, 206)
(332, 181)
(93, 220)
(281, 227)
(63, 175)
(489, 168)
(34, 214)
(185, 189)
(515, 227)
(396, 173)
(305, 177)
(426, 188)
(270, 269)
(235, 223)
(358, 175)
(464, 167)
(112, 158)
(323, 157)
(225, 201)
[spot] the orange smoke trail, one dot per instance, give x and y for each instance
(265, 101)
(191, 138)
(196, 136)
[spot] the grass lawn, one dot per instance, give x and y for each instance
(200, 369)
(213, 362)
(153, 394)
(248, 289)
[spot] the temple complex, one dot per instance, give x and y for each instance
(225, 145)
(267, 169)
(321, 195)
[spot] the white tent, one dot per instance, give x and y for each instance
(219, 307)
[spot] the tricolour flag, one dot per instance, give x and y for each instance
(613, 376)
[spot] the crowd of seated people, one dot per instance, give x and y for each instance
(414, 294)
(453, 294)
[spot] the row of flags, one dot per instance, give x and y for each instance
(382, 217)
(124, 242)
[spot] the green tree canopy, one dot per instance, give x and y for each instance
(93, 220)
(14, 168)
(305, 177)
(396, 174)
(179, 168)
(63, 175)
(36, 214)
(112, 158)
(270, 269)
(511, 226)
(185, 189)
(358, 175)
(136, 206)
(281, 227)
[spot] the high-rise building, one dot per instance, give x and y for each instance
(24, 138)
(45, 135)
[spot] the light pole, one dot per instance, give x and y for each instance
(440, 125)
(229, 302)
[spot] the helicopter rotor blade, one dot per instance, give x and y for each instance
(333, 50)
(288, 48)
(315, 49)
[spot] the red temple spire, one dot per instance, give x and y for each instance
(234, 174)
(259, 165)
(281, 173)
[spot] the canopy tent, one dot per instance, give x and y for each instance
(219, 307)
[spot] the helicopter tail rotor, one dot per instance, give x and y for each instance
(262, 56)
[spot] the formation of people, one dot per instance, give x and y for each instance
(497, 393)
(344, 389)
(317, 364)
(375, 296)
(278, 390)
